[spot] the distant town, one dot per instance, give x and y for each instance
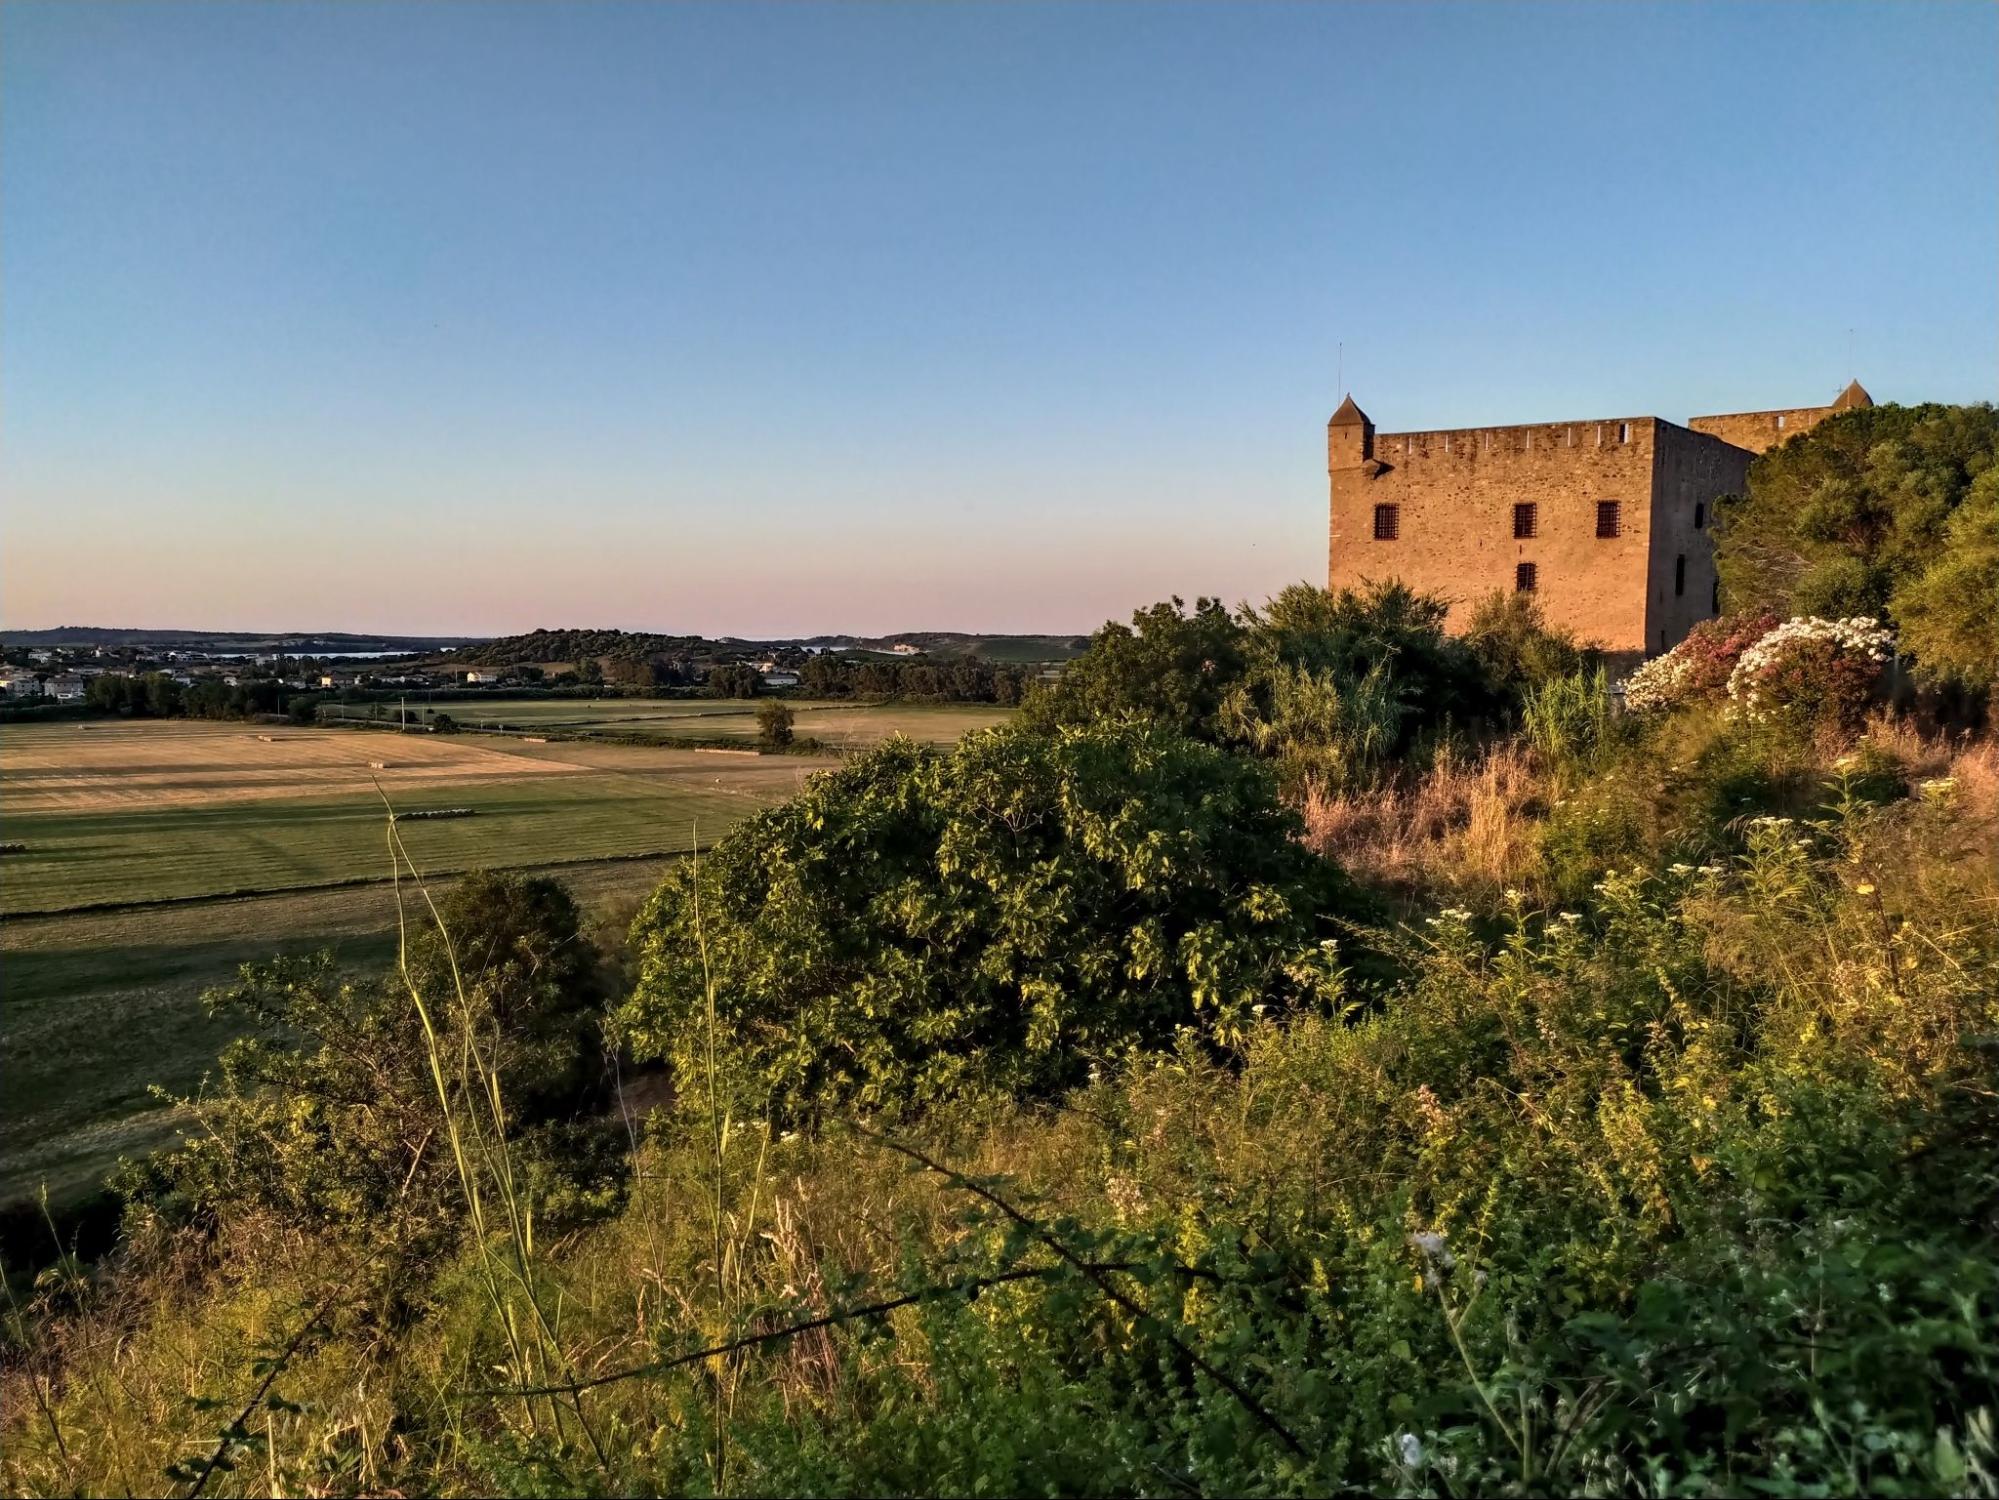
(48, 668)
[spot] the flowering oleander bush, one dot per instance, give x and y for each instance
(1698, 669)
(1818, 673)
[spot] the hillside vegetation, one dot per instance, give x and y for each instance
(1890, 511)
(536, 646)
(1303, 1053)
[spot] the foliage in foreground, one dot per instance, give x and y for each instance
(1687, 1187)
(1653, 1153)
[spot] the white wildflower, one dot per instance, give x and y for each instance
(1412, 1449)
(1660, 683)
(1431, 1243)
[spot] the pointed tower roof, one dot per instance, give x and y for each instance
(1349, 415)
(1854, 395)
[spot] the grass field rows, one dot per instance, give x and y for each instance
(99, 1004)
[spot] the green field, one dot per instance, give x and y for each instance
(99, 1006)
(97, 859)
(162, 854)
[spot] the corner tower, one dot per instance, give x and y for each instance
(1349, 437)
(1349, 458)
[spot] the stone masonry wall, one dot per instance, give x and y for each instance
(1690, 470)
(1758, 430)
(1456, 491)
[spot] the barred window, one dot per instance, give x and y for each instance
(1609, 518)
(1387, 522)
(1525, 578)
(1523, 520)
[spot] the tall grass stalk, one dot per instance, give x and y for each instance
(479, 1078)
(729, 1252)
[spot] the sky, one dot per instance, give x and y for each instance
(768, 319)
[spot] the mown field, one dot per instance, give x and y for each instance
(162, 854)
(841, 725)
(151, 811)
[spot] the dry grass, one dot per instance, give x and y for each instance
(1964, 768)
(150, 764)
(1975, 770)
(1466, 827)
(1918, 754)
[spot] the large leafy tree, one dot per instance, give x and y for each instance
(1949, 612)
(1004, 913)
(1860, 516)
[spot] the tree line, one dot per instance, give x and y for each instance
(158, 695)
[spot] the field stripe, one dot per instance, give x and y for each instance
(252, 892)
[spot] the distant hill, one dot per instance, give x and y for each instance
(297, 643)
(576, 645)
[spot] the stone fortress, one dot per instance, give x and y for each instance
(1604, 521)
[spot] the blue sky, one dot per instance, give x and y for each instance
(765, 319)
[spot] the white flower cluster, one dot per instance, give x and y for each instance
(1862, 635)
(1660, 682)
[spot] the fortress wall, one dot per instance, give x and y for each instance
(1758, 430)
(1456, 491)
(1690, 471)
(1524, 440)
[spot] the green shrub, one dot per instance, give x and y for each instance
(1516, 648)
(1689, 1196)
(1331, 686)
(774, 725)
(1007, 912)
(1600, 827)
(326, 1113)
